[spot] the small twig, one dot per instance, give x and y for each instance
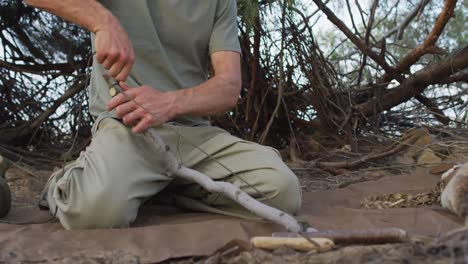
(399, 29)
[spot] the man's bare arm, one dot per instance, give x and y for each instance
(216, 95)
(113, 48)
(219, 93)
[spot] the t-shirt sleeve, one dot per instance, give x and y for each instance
(224, 34)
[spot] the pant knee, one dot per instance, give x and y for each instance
(101, 209)
(283, 190)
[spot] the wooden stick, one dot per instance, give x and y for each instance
(298, 243)
(225, 188)
(358, 236)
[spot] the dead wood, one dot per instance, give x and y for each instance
(407, 140)
(12, 134)
(433, 107)
(417, 83)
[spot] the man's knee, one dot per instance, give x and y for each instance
(103, 208)
(283, 189)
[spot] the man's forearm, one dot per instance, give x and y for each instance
(219, 93)
(216, 95)
(88, 14)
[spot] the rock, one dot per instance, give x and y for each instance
(415, 140)
(4, 165)
(5, 198)
(454, 195)
(428, 157)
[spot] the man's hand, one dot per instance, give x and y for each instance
(213, 96)
(114, 50)
(158, 107)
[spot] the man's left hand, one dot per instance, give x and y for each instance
(152, 107)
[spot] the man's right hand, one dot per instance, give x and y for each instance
(114, 49)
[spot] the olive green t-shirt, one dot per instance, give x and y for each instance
(172, 40)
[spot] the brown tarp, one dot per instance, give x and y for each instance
(162, 232)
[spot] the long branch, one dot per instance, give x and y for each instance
(417, 83)
(229, 190)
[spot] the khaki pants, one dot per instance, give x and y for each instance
(106, 185)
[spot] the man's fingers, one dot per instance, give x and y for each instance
(132, 118)
(124, 86)
(144, 124)
(122, 76)
(125, 108)
(101, 56)
(117, 100)
(111, 57)
(116, 69)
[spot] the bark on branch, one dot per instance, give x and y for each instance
(433, 108)
(429, 43)
(416, 84)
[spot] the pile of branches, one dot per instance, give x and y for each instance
(373, 74)
(43, 75)
(292, 88)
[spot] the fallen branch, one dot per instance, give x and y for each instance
(417, 83)
(433, 108)
(407, 140)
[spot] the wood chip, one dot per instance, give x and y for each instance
(297, 243)
(442, 168)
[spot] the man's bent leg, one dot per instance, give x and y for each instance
(259, 171)
(105, 186)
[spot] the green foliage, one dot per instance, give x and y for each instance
(456, 34)
(248, 11)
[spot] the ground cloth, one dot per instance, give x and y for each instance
(163, 232)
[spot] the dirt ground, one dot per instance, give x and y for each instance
(26, 184)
